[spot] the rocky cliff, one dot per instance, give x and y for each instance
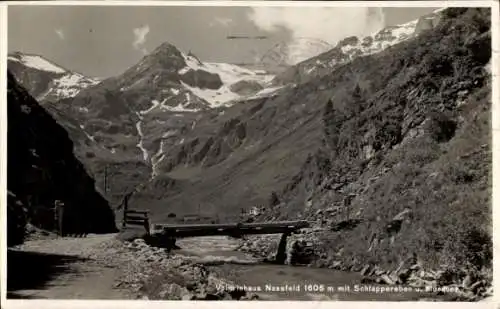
(42, 168)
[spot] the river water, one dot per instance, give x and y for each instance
(283, 282)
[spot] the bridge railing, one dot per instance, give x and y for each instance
(136, 217)
(222, 229)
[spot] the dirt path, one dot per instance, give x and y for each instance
(65, 268)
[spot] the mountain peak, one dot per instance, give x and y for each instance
(166, 49)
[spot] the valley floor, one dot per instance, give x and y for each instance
(101, 267)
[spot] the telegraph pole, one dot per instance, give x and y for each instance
(106, 179)
(105, 186)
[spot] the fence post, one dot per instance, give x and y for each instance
(59, 216)
(125, 210)
(146, 224)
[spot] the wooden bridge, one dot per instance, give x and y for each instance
(165, 235)
(231, 229)
(141, 218)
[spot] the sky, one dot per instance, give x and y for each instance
(103, 41)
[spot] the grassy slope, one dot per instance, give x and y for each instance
(411, 95)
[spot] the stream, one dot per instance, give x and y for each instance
(283, 282)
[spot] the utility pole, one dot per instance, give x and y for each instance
(105, 179)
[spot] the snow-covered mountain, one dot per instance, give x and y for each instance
(46, 80)
(353, 47)
(298, 50)
(132, 119)
(128, 121)
(179, 81)
(148, 109)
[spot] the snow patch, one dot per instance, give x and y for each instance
(169, 133)
(215, 98)
(229, 74)
(90, 137)
(267, 92)
(69, 85)
(154, 103)
(156, 159)
(397, 34)
(140, 145)
(37, 62)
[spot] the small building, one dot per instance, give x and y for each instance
(255, 211)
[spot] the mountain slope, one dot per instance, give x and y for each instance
(389, 154)
(352, 47)
(119, 124)
(404, 169)
(43, 168)
(45, 80)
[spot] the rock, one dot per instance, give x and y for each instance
(415, 267)
(368, 280)
(379, 272)
(139, 242)
(489, 291)
(187, 297)
(403, 214)
(163, 293)
(335, 265)
(404, 275)
(444, 277)
(476, 285)
(427, 276)
(387, 280)
(466, 283)
(173, 291)
(416, 282)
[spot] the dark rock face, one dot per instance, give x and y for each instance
(202, 79)
(43, 168)
(246, 87)
(352, 40)
(16, 220)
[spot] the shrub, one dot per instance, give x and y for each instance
(441, 127)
